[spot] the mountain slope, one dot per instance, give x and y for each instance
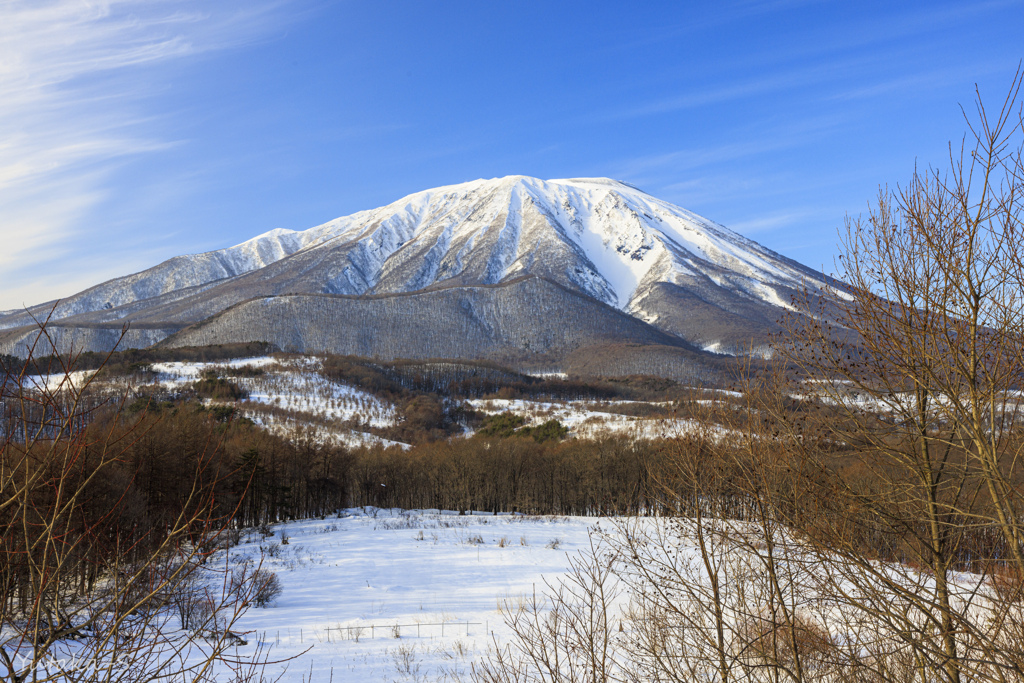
(526, 321)
(685, 275)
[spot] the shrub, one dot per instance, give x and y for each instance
(219, 389)
(266, 587)
(501, 424)
(509, 424)
(245, 371)
(194, 604)
(552, 430)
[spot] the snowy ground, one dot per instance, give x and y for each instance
(414, 596)
(394, 596)
(291, 396)
(399, 596)
(58, 381)
(174, 375)
(588, 419)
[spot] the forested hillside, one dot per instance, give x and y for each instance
(528, 321)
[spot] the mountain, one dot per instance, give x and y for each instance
(601, 244)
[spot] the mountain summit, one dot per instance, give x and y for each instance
(694, 281)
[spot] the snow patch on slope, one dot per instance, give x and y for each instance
(590, 420)
(293, 399)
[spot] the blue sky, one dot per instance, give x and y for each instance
(135, 130)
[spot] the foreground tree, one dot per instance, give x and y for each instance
(92, 587)
(926, 389)
(859, 517)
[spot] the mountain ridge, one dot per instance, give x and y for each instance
(685, 275)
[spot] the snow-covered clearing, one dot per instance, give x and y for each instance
(389, 595)
(297, 399)
(73, 381)
(291, 397)
(309, 391)
(380, 595)
(845, 395)
(588, 419)
(548, 375)
(295, 428)
(293, 385)
(176, 374)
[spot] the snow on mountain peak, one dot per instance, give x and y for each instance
(601, 236)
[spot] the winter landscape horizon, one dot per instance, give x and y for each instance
(410, 342)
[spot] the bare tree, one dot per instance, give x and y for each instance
(925, 389)
(87, 585)
(566, 633)
(859, 517)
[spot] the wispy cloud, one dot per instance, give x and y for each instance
(774, 221)
(842, 66)
(925, 80)
(822, 75)
(705, 190)
(74, 91)
(665, 169)
(713, 18)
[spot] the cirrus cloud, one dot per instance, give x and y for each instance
(74, 88)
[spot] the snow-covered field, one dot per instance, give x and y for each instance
(294, 384)
(292, 396)
(587, 419)
(393, 596)
(73, 381)
(389, 595)
(382, 595)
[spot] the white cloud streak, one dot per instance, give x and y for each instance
(73, 103)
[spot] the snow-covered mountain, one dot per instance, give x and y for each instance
(604, 239)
